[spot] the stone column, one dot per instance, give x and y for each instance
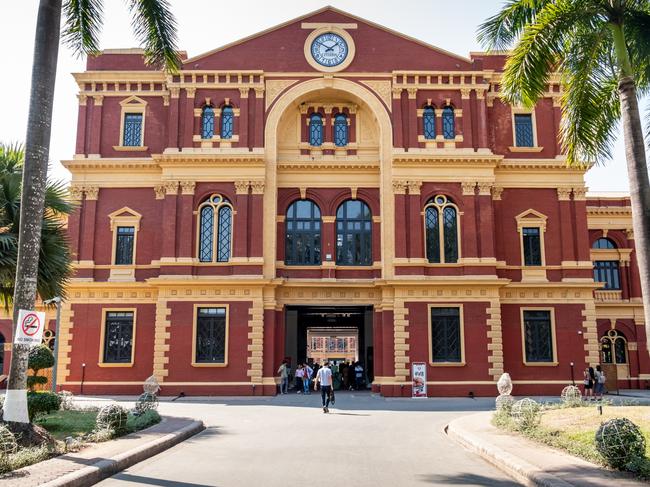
(412, 118)
(96, 126)
(259, 118)
(172, 119)
(399, 190)
(188, 128)
(416, 221)
(80, 146)
(89, 210)
(566, 226)
(186, 220)
(468, 139)
(557, 119)
(486, 217)
(469, 221)
(398, 128)
(168, 230)
(581, 231)
(74, 220)
(241, 220)
(243, 117)
(482, 119)
(256, 218)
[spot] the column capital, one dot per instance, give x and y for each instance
(75, 193)
(465, 92)
(580, 194)
(160, 191)
(191, 91)
(397, 93)
(92, 192)
(257, 186)
(399, 186)
(171, 187)
(629, 233)
(468, 187)
(243, 92)
(497, 192)
(98, 100)
(241, 187)
(412, 93)
(83, 99)
(259, 92)
(187, 187)
(414, 187)
(564, 194)
(484, 188)
(174, 91)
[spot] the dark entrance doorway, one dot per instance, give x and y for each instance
(335, 333)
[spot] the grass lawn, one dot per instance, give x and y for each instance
(62, 424)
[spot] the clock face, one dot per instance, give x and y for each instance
(329, 49)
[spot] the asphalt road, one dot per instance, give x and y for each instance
(287, 441)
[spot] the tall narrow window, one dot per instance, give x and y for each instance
(315, 130)
(532, 246)
(441, 226)
(446, 339)
(207, 122)
(215, 230)
(132, 130)
(538, 336)
(524, 135)
(303, 237)
(353, 233)
(210, 340)
(124, 245)
(448, 123)
(613, 348)
(340, 130)
(607, 271)
(227, 121)
(118, 337)
(429, 122)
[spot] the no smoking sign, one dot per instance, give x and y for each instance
(30, 327)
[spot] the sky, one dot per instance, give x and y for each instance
(206, 24)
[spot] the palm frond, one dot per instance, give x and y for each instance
(503, 29)
(538, 51)
(12, 157)
(636, 25)
(590, 103)
(83, 21)
(56, 198)
(155, 26)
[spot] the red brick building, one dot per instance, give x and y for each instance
(331, 174)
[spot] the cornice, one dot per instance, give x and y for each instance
(242, 159)
(102, 163)
(445, 157)
(609, 211)
(328, 165)
(528, 164)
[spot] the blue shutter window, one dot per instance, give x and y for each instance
(207, 123)
(315, 130)
(448, 123)
(132, 130)
(429, 121)
(524, 130)
(227, 116)
(341, 130)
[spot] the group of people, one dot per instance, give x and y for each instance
(304, 373)
(594, 382)
(345, 376)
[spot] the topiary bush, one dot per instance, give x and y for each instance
(40, 358)
(112, 417)
(526, 414)
(42, 402)
(146, 402)
(620, 442)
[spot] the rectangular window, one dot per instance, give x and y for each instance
(532, 246)
(445, 335)
(211, 336)
(118, 337)
(124, 245)
(607, 271)
(132, 130)
(538, 336)
(524, 136)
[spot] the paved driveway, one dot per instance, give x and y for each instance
(288, 441)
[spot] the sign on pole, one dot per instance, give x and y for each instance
(419, 377)
(29, 330)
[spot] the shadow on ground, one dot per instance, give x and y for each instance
(467, 479)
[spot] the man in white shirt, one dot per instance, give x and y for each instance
(324, 378)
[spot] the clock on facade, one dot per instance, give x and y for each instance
(329, 49)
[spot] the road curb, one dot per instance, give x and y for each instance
(519, 469)
(104, 468)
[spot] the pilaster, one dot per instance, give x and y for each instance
(161, 336)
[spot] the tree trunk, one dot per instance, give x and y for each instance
(37, 148)
(639, 187)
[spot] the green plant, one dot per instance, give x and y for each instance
(526, 414)
(42, 402)
(112, 417)
(146, 402)
(144, 420)
(40, 357)
(24, 457)
(620, 442)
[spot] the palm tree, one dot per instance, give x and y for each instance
(54, 267)
(601, 49)
(155, 27)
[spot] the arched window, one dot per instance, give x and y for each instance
(316, 129)
(441, 226)
(448, 123)
(603, 243)
(302, 244)
(613, 348)
(207, 122)
(353, 233)
(215, 229)
(429, 122)
(227, 120)
(340, 130)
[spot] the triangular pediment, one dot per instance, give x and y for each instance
(282, 48)
(125, 212)
(133, 101)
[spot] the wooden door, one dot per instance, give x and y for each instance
(611, 377)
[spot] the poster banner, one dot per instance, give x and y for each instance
(29, 330)
(419, 375)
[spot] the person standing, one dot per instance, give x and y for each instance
(324, 378)
(300, 375)
(599, 385)
(307, 371)
(283, 372)
(358, 376)
(588, 381)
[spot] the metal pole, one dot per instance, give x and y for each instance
(573, 380)
(56, 343)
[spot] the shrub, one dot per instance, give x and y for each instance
(146, 402)
(144, 420)
(526, 414)
(40, 357)
(620, 442)
(42, 402)
(112, 417)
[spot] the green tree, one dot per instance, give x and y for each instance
(155, 27)
(601, 50)
(54, 267)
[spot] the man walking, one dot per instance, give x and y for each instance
(283, 372)
(324, 378)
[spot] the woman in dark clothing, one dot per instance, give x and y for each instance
(589, 380)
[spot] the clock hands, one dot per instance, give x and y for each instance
(327, 48)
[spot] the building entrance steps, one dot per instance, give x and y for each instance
(529, 462)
